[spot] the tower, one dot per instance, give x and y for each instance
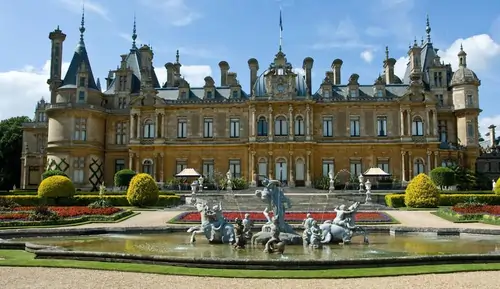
(57, 38)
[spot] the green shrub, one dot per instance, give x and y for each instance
(142, 191)
(395, 200)
(51, 173)
(496, 189)
(443, 177)
(453, 199)
(421, 192)
(56, 187)
(123, 177)
(322, 183)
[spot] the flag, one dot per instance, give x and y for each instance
(281, 22)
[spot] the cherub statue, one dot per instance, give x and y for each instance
(307, 223)
(275, 244)
(316, 235)
(247, 226)
(239, 234)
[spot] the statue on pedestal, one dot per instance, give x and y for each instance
(229, 182)
(361, 180)
(368, 186)
(331, 176)
(200, 184)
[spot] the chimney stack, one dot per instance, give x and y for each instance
(492, 135)
(169, 66)
(307, 65)
(253, 64)
(224, 69)
(336, 67)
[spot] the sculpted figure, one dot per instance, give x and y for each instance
(343, 227)
(247, 226)
(213, 225)
(274, 244)
(316, 235)
(239, 234)
(306, 234)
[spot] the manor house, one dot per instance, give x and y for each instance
(282, 128)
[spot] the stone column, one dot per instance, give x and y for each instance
(429, 167)
(435, 123)
(308, 171)
(402, 129)
(23, 169)
(138, 126)
(158, 133)
(132, 126)
(26, 171)
(137, 164)
(403, 169)
(308, 123)
(155, 166)
(41, 167)
(270, 124)
(161, 167)
(270, 169)
(253, 122)
(163, 126)
(436, 162)
(408, 114)
(291, 132)
(251, 169)
(131, 161)
(428, 120)
(291, 177)
(410, 166)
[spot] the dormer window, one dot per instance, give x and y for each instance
(380, 93)
(353, 93)
(326, 93)
(235, 94)
(82, 82)
(209, 95)
(183, 95)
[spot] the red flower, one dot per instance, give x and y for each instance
(14, 216)
(477, 209)
(71, 212)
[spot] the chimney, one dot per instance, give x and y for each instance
(123, 62)
(492, 135)
(389, 70)
(224, 68)
(329, 75)
(336, 66)
(253, 64)
(307, 66)
(232, 78)
(169, 66)
(109, 79)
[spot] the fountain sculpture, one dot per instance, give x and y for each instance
(275, 201)
(213, 225)
(343, 227)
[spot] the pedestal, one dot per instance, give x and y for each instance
(331, 189)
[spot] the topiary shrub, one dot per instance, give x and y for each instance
(56, 187)
(142, 191)
(496, 189)
(51, 173)
(443, 177)
(422, 193)
(123, 177)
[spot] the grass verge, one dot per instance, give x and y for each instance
(18, 258)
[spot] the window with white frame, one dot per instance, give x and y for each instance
(299, 126)
(149, 129)
(327, 126)
(355, 167)
(180, 165)
(235, 168)
(280, 126)
(208, 169)
(383, 165)
(121, 133)
(328, 166)
(443, 131)
(181, 128)
(80, 129)
(355, 129)
(262, 126)
(78, 170)
(208, 128)
(418, 167)
(417, 128)
(234, 128)
(381, 125)
(147, 167)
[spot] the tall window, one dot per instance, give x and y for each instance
(417, 128)
(299, 126)
(470, 100)
(80, 129)
(208, 169)
(235, 168)
(208, 128)
(179, 166)
(122, 102)
(280, 126)
(119, 165)
(470, 129)
(443, 131)
(418, 167)
(149, 129)
(262, 126)
(355, 129)
(234, 128)
(121, 133)
(328, 165)
(327, 126)
(235, 94)
(440, 99)
(147, 167)
(42, 117)
(81, 96)
(82, 82)
(382, 126)
(383, 165)
(355, 167)
(181, 128)
(209, 94)
(380, 93)
(353, 93)
(78, 170)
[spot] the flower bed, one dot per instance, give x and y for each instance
(292, 217)
(471, 213)
(23, 216)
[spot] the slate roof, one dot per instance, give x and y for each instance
(80, 56)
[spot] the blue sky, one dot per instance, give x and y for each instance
(207, 32)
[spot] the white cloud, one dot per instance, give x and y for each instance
(400, 67)
(485, 122)
(22, 89)
(176, 12)
(375, 31)
(367, 55)
(76, 6)
(194, 74)
(344, 35)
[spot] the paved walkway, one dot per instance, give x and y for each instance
(52, 278)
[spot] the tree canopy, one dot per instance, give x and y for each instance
(11, 146)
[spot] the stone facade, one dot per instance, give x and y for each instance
(282, 128)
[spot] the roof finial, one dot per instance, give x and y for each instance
(281, 30)
(428, 29)
(177, 56)
(82, 27)
(134, 35)
(386, 52)
(461, 47)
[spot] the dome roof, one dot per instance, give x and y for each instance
(464, 75)
(259, 88)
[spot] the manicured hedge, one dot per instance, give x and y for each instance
(108, 193)
(85, 200)
(397, 200)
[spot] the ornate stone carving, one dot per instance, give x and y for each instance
(213, 225)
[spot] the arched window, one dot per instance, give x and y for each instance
(262, 126)
(299, 126)
(147, 167)
(417, 128)
(418, 167)
(149, 129)
(280, 126)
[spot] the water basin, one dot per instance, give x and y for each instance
(177, 245)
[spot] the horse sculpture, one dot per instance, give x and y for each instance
(343, 228)
(213, 225)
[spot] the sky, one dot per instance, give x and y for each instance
(206, 32)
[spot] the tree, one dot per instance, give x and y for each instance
(443, 177)
(11, 146)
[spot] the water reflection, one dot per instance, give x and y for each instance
(177, 244)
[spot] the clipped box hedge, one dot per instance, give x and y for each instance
(85, 200)
(108, 193)
(398, 200)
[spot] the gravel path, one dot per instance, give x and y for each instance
(45, 278)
